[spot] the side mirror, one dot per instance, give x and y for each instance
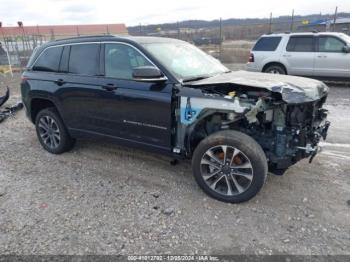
(148, 73)
(346, 49)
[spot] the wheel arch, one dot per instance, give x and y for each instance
(191, 142)
(39, 103)
(274, 63)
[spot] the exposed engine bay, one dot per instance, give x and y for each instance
(287, 120)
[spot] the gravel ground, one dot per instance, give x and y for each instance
(107, 199)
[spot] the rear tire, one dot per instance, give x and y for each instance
(230, 166)
(275, 69)
(51, 132)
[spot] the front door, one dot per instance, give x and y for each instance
(143, 110)
(331, 60)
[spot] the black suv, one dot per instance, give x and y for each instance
(167, 96)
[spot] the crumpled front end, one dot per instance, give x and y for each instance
(287, 120)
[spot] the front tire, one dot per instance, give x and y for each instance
(230, 166)
(51, 132)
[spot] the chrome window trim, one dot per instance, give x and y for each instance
(105, 42)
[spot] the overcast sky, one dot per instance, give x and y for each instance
(132, 12)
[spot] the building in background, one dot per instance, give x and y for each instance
(323, 25)
(20, 40)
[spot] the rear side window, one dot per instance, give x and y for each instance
(267, 44)
(300, 44)
(85, 59)
(49, 60)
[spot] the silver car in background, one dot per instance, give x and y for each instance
(319, 55)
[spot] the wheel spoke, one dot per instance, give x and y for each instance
(239, 188)
(207, 177)
(52, 142)
(229, 188)
(43, 124)
(234, 154)
(207, 162)
(45, 138)
(224, 149)
(212, 156)
(213, 185)
(246, 175)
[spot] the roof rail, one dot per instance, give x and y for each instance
(84, 36)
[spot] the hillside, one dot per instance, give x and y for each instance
(195, 24)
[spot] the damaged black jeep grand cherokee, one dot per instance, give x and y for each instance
(167, 96)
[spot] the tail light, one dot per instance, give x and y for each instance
(251, 58)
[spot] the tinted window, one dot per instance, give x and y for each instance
(84, 59)
(267, 44)
(330, 44)
(49, 60)
(120, 60)
(301, 44)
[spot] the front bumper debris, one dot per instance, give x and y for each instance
(10, 110)
(313, 148)
(4, 98)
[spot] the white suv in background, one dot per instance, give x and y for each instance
(319, 55)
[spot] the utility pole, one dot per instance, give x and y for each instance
(335, 17)
(292, 23)
(24, 46)
(178, 30)
(140, 29)
(270, 23)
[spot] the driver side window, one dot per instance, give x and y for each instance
(330, 44)
(121, 59)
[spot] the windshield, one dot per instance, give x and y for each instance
(185, 61)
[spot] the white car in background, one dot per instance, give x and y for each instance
(319, 55)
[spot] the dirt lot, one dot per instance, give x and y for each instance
(106, 199)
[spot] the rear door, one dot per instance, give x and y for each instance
(43, 74)
(81, 94)
(299, 55)
(331, 60)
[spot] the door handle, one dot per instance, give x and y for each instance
(109, 87)
(287, 55)
(59, 82)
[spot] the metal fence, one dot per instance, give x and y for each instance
(229, 42)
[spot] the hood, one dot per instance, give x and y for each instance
(292, 88)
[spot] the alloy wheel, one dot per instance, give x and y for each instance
(49, 132)
(226, 170)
